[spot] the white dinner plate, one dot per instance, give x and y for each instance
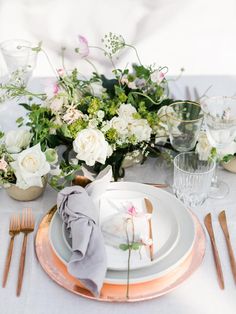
(165, 229)
(160, 199)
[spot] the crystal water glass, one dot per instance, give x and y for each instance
(192, 178)
(184, 120)
(220, 123)
(19, 57)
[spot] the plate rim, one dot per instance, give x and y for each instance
(150, 277)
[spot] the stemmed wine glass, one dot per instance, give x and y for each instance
(220, 123)
(20, 58)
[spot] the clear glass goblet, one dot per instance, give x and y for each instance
(184, 120)
(19, 57)
(192, 178)
(220, 123)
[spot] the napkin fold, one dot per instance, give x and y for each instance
(78, 209)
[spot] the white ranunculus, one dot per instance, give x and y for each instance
(126, 111)
(91, 146)
(141, 129)
(203, 147)
(120, 125)
(97, 89)
(56, 104)
(29, 167)
(17, 140)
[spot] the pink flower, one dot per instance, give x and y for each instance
(3, 164)
(132, 211)
(83, 48)
(157, 76)
(51, 89)
(61, 72)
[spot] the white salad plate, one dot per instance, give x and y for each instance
(173, 233)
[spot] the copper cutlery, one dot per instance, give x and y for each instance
(208, 224)
(224, 227)
(149, 208)
(27, 226)
(14, 229)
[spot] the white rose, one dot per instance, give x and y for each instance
(29, 167)
(97, 89)
(91, 146)
(203, 147)
(17, 140)
(126, 111)
(120, 125)
(141, 129)
(228, 150)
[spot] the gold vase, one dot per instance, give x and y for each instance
(230, 166)
(26, 195)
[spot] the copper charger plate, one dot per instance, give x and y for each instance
(57, 270)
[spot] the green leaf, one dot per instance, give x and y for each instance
(135, 246)
(1, 134)
(124, 246)
(26, 106)
(20, 120)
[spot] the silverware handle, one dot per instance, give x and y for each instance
(151, 237)
(8, 262)
(231, 257)
(218, 265)
(21, 266)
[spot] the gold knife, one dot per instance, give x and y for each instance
(149, 208)
(224, 227)
(208, 224)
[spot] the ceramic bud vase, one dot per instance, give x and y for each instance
(26, 195)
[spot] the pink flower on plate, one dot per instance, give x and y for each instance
(83, 48)
(3, 164)
(132, 210)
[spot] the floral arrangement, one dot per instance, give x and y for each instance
(98, 120)
(22, 165)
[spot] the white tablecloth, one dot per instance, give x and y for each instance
(200, 294)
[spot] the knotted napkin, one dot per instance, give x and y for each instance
(78, 209)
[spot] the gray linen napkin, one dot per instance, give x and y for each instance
(78, 211)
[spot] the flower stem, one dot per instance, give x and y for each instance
(136, 52)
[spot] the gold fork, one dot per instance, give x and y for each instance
(14, 229)
(27, 226)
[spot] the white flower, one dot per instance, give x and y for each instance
(120, 125)
(17, 140)
(100, 115)
(126, 111)
(56, 104)
(91, 146)
(72, 114)
(203, 147)
(29, 167)
(141, 129)
(93, 123)
(228, 150)
(97, 89)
